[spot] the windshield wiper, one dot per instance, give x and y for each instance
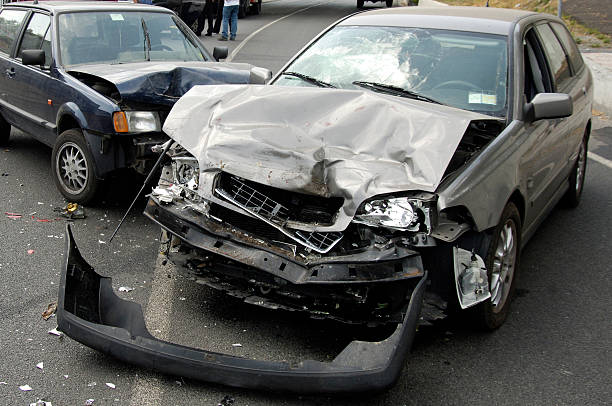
(147, 40)
(309, 79)
(394, 90)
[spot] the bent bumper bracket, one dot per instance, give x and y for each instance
(91, 313)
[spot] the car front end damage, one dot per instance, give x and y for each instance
(315, 224)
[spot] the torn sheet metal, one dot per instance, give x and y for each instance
(328, 142)
(164, 82)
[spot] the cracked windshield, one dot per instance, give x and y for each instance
(123, 37)
(426, 64)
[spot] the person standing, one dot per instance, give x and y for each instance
(230, 16)
(219, 17)
(210, 9)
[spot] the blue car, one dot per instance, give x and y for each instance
(95, 81)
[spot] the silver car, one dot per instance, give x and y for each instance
(402, 150)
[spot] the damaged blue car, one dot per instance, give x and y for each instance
(96, 81)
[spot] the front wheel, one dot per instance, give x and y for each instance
(576, 178)
(502, 261)
(73, 167)
(5, 131)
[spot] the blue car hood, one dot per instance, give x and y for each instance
(161, 83)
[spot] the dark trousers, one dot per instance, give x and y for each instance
(219, 16)
(208, 13)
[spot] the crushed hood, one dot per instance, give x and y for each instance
(329, 142)
(163, 82)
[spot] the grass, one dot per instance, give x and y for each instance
(586, 37)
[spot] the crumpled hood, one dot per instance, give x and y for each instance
(164, 82)
(329, 142)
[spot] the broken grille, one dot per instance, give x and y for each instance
(275, 214)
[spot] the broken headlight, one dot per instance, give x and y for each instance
(185, 170)
(416, 214)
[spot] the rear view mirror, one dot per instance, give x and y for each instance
(260, 76)
(220, 53)
(33, 57)
(549, 105)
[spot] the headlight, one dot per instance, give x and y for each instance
(399, 213)
(136, 121)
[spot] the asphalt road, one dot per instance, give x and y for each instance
(554, 349)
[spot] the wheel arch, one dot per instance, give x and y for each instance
(70, 116)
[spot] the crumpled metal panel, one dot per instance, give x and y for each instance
(329, 142)
(165, 82)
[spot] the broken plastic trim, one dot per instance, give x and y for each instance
(91, 313)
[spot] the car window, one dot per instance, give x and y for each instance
(569, 45)
(10, 23)
(123, 37)
(36, 36)
(556, 57)
(461, 69)
(537, 78)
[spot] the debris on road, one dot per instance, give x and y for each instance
(41, 402)
(30, 252)
(89, 402)
(51, 308)
(55, 332)
(110, 385)
(226, 401)
(71, 211)
(25, 388)
(91, 384)
(40, 365)
(12, 216)
(125, 289)
(236, 345)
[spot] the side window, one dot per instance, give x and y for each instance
(36, 35)
(557, 59)
(569, 45)
(537, 78)
(10, 23)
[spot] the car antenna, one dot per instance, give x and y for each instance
(167, 146)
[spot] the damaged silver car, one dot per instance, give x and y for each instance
(401, 150)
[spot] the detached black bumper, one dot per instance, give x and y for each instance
(91, 313)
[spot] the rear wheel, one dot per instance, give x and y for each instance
(502, 262)
(5, 131)
(73, 167)
(576, 178)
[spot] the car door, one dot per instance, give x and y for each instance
(11, 21)
(544, 158)
(32, 87)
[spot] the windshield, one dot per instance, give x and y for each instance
(460, 69)
(123, 37)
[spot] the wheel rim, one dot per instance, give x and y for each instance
(580, 169)
(504, 264)
(71, 167)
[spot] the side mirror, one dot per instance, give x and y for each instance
(260, 76)
(220, 53)
(549, 105)
(33, 57)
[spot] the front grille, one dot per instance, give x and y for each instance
(244, 195)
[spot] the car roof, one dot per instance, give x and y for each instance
(65, 6)
(474, 19)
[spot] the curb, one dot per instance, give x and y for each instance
(600, 64)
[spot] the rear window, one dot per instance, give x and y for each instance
(569, 45)
(10, 23)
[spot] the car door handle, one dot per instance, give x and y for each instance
(10, 72)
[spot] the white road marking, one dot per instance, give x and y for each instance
(148, 390)
(600, 159)
(254, 33)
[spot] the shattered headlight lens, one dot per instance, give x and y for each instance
(398, 213)
(186, 172)
(136, 121)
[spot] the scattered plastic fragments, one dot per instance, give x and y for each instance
(50, 311)
(41, 402)
(110, 385)
(89, 402)
(226, 401)
(236, 345)
(3, 383)
(25, 388)
(12, 216)
(65, 376)
(71, 211)
(55, 332)
(101, 242)
(91, 384)
(30, 252)
(182, 298)
(5, 174)
(40, 365)
(125, 289)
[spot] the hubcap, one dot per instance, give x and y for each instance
(72, 168)
(580, 168)
(504, 264)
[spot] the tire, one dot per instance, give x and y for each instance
(5, 131)
(360, 4)
(389, 3)
(576, 177)
(504, 247)
(256, 8)
(73, 167)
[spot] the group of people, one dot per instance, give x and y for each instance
(225, 14)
